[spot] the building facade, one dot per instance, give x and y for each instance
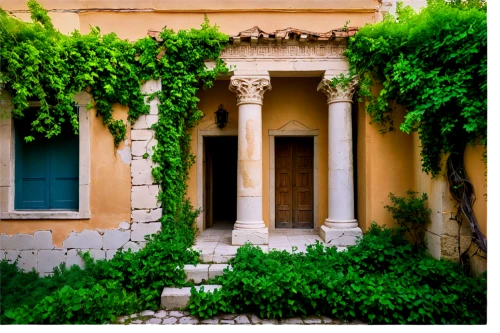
(295, 152)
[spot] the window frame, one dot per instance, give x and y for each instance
(7, 166)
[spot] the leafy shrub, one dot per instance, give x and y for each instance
(96, 304)
(27, 288)
(129, 282)
(382, 280)
(434, 62)
(410, 214)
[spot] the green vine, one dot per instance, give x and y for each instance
(182, 71)
(40, 63)
(434, 63)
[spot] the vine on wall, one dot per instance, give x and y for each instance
(435, 63)
(40, 63)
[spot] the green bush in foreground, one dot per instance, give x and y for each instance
(383, 280)
(128, 283)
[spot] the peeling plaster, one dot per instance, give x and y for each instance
(247, 180)
(125, 155)
(249, 136)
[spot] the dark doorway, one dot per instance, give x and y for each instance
(294, 182)
(221, 165)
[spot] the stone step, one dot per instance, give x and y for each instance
(202, 272)
(177, 298)
(208, 256)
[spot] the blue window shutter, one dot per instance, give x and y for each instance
(46, 170)
(64, 171)
(31, 171)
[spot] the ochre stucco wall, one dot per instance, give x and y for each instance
(109, 189)
(229, 23)
(385, 165)
(319, 16)
(110, 176)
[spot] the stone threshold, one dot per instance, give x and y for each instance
(216, 245)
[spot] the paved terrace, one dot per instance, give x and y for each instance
(215, 245)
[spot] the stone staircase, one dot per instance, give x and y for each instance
(177, 298)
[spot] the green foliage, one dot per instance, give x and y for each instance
(182, 71)
(434, 63)
(129, 282)
(410, 214)
(19, 288)
(41, 64)
(380, 281)
(341, 80)
(96, 304)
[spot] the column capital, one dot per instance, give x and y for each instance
(338, 93)
(250, 89)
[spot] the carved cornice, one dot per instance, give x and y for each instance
(306, 51)
(249, 89)
(338, 93)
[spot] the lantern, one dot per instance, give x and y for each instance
(221, 116)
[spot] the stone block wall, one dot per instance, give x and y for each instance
(36, 251)
(146, 211)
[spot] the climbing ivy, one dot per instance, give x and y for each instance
(40, 63)
(434, 63)
(182, 71)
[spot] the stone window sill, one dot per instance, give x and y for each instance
(45, 215)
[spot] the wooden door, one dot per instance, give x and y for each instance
(303, 183)
(294, 182)
(283, 179)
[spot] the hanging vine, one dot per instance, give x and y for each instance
(40, 63)
(435, 63)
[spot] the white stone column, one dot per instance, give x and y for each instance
(340, 228)
(249, 226)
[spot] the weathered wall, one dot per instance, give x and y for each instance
(442, 233)
(109, 195)
(383, 161)
(110, 190)
(384, 165)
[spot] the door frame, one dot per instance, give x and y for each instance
(294, 129)
(201, 167)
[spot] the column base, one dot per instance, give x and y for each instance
(341, 224)
(339, 237)
(254, 236)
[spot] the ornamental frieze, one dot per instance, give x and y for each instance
(284, 52)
